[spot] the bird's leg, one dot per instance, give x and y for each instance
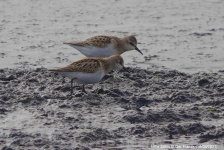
(72, 86)
(83, 89)
(116, 76)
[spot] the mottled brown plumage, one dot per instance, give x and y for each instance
(97, 41)
(91, 65)
(87, 65)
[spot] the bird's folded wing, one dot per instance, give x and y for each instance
(96, 41)
(88, 65)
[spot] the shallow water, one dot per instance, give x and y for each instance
(181, 35)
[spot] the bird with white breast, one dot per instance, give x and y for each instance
(91, 70)
(105, 46)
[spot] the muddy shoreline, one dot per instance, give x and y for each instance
(126, 111)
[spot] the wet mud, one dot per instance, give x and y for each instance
(124, 111)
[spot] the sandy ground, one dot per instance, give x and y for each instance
(167, 101)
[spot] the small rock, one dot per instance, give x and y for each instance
(100, 91)
(203, 82)
(10, 77)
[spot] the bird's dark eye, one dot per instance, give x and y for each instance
(131, 44)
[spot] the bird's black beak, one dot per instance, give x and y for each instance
(136, 48)
(125, 69)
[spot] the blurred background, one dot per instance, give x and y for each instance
(183, 35)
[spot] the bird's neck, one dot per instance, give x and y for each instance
(108, 64)
(121, 45)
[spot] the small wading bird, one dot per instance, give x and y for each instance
(91, 70)
(105, 46)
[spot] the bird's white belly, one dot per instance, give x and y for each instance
(84, 78)
(91, 51)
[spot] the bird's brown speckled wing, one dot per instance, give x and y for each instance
(97, 41)
(89, 65)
